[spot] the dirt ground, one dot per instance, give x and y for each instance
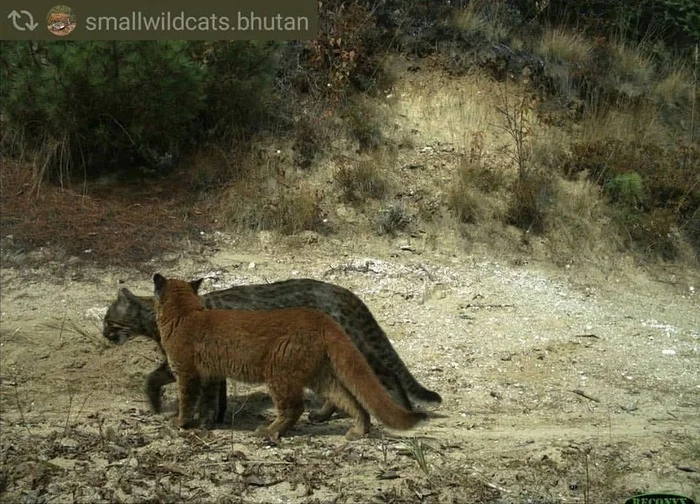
(559, 385)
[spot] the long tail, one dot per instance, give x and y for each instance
(370, 338)
(396, 365)
(357, 376)
(418, 391)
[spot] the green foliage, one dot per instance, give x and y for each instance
(656, 190)
(679, 17)
(129, 107)
(238, 87)
(627, 188)
(106, 102)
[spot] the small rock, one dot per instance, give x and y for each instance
(63, 463)
(69, 443)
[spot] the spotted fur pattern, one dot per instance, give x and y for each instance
(133, 315)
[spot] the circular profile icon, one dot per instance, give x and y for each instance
(60, 20)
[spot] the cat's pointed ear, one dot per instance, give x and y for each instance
(159, 283)
(126, 294)
(196, 284)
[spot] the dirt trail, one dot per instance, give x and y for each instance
(546, 374)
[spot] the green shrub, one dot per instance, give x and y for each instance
(108, 104)
(129, 107)
(239, 85)
(627, 188)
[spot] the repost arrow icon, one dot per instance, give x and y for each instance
(31, 24)
(16, 16)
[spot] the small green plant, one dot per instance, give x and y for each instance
(418, 450)
(626, 188)
(655, 204)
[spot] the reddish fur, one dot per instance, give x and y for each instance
(288, 349)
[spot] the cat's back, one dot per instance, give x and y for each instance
(277, 321)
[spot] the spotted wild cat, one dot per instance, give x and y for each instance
(133, 315)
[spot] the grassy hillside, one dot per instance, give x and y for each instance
(502, 126)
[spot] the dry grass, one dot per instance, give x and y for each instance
(448, 110)
(93, 336)
(579, 222)
(471, 194)
(641, 125)
(364, 119)
(465, 204)
(392, 218)
(631, 64)
(676, 87)
(530, 201)
(361, 179)
(548, 148)
(286, 210)
(124, 224)
(265, 197)
(565, 45)
(486, 17)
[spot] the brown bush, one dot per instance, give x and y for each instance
(360, 180)
(529, 200)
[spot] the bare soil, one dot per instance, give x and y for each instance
(559, 385)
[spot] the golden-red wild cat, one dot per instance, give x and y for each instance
(288, 349)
